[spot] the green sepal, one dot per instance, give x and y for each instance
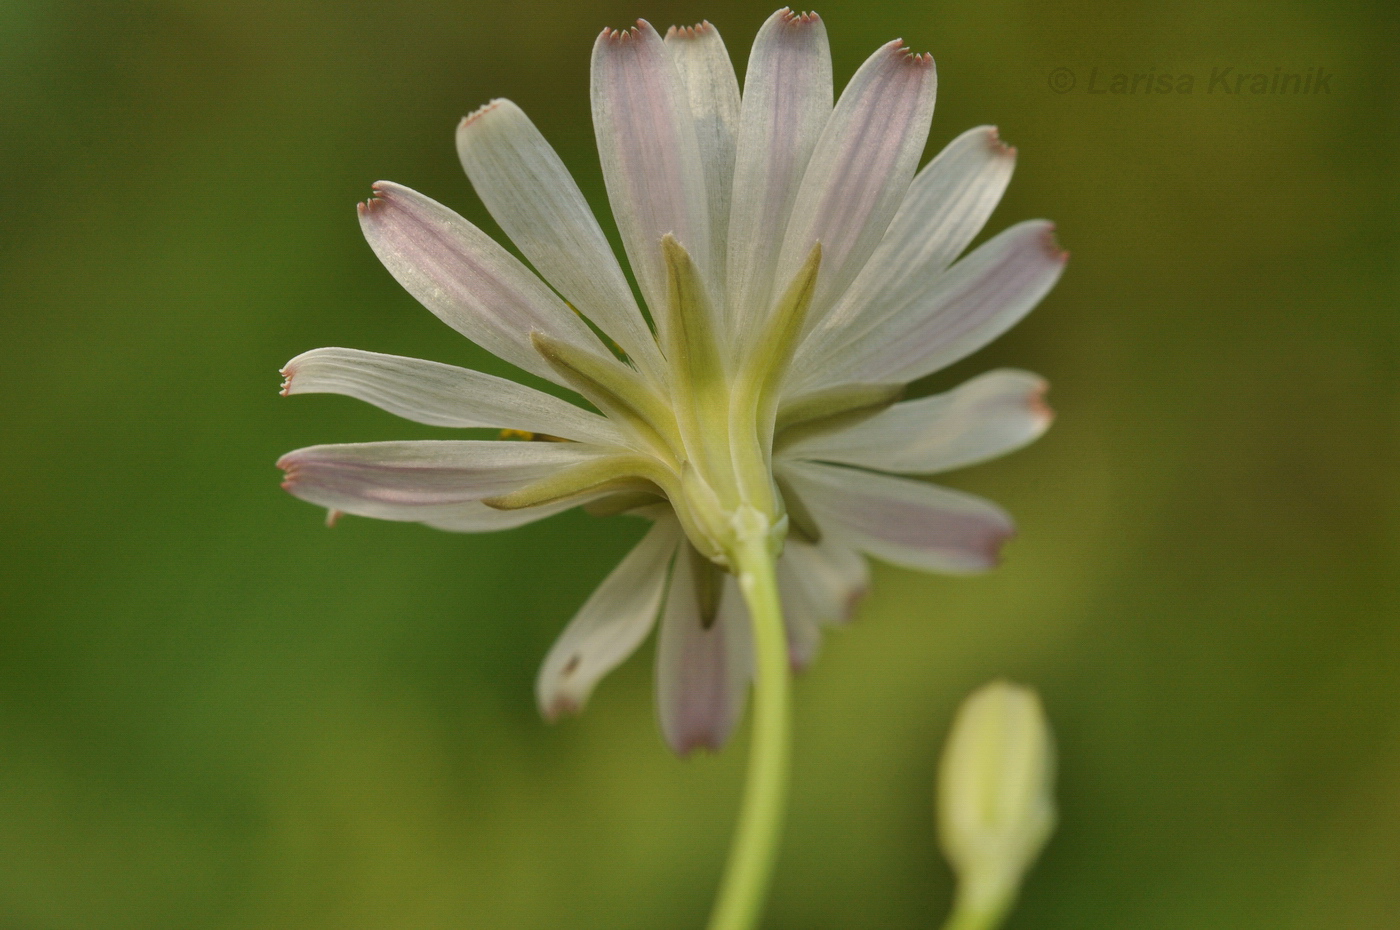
(615, 472)
(699, 386)
(709, 586)
(800, 519)
(754, 403)
(623, 502)
(616, 389)
(692, 340)
(767, 360)
(702, 515)
(831, 409)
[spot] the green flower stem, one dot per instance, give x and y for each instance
(967, 918)
(755, 845)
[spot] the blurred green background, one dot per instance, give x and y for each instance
(215, 712)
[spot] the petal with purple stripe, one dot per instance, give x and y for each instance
(442, 395)
(611, 624)
(426, 480)
(904, 522)
(702, 669)
(712, 92)
(984, 418)
(786, 104)
(466, 278)
(860, 169)
(946, 207)
(650, 156)
(966, 307)
(531, 194)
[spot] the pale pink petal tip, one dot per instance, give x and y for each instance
(853, 602)
(333, 517)
(625, 36)
(480, 112)
(897, 48)
(995, 542)
(287, 374)
(793, 18)
(376, 200)
(564, 704)
(561, 707)
(1039, 407)
(998, 146)
(690, 32)
(688, 744)
(1052, 246)
(288, 463)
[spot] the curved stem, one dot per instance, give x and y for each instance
(977, 914)
(755, 845)
(971, 920)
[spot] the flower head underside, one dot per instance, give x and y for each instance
(796, 270)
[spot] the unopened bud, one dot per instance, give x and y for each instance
(995, 803)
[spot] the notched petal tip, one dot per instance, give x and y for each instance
(381, 192)
(288, 372)
(686, 746)
(1052, 245)
(627, 36)
(854, 599)
(697, 31)
(993, 545)
(480, 111)
(557, 700)
(906, 56)
(291, 464)
(793, 18)
(997, 145)
(1040, 409)
(559, 696)
(559, 707)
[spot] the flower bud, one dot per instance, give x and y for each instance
(995, 806)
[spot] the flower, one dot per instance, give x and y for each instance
(995, 804)
(798, 274)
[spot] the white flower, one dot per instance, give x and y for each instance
(995, 803)
(798, 274)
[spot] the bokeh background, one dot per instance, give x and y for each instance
(217, 713)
